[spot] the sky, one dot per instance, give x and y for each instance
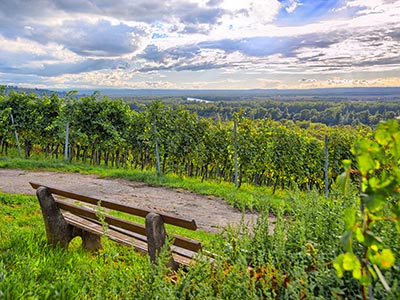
(199, 44)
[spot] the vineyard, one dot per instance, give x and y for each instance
(101, 131)
(338, 245)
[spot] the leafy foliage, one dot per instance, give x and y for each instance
(370, 233)
(104, 131)
(295, 262)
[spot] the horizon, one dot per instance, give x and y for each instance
(320, 92)
(200, 44)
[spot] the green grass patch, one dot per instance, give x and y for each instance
(293, 263)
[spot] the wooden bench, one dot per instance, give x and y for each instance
(67, 215)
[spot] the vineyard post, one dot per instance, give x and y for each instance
(66, 141)
(326, 166)
(236, 151)
(16, 135)
(156, 140)
(67, 102)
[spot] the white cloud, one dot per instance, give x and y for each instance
(147, 43)
(293, 4)
(337, 81)
(247, 16)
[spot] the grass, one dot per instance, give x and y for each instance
(29, 269)
(294, 263)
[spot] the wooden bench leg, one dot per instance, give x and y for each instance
(156, 235)
(90, 241)
(58, 231)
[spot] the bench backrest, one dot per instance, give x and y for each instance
(86, 212)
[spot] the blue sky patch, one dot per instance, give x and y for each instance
(301, 12)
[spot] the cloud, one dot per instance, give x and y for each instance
(208, 65)
(243, 16)
(341, 49)
(214, 2)
(145, 10)
(265, 46)
(153, 53)
(195, 29)
(292, 5)
(100, 40)
(83, 38)
(56, 69)
(192, 14)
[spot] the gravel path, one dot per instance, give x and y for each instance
(210, 213)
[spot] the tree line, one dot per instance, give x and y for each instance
(329, 112)
(107, 131)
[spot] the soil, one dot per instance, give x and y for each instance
(211, 213)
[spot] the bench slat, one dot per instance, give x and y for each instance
(116, 236)
(89, 218)
(181, 256)
(179, 241)
(130, 209)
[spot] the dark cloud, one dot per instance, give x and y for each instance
(144, 10)
(214, 2)
(149, 69)
(184, 57)
(202, 66)
(56, 69)
(265, 46)
(177, 59)
(18, 12)
(379, 61)
(87, 39)
(148, 11)
(100, 43)
(184, 66)
(83, 6)
(313, 58)
(74, 68)
(138, 10)
(23, 57)
(152, 53)
(192, 14)
(193, 29)
(394, 33)
(27, 19)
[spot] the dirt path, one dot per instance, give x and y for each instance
(210, 213)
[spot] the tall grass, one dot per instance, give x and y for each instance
(292, 263)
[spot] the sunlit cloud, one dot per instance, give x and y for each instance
(227, 43)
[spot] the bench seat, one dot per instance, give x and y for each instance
(67, 214)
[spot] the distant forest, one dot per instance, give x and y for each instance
(331, 107)
(329, 112)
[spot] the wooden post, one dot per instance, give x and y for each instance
(90, 241)
(66, 141)
(59, 232)
(156, 235)
(16, 136)
(236, 152)
(326, 167)
(157, 152)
